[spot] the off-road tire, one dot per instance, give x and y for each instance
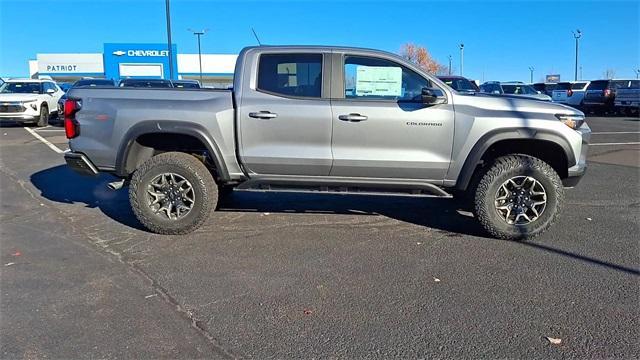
(190, 168)
(496, 174)
(43, 119)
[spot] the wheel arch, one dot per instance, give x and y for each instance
(544, 144)
(132, 151)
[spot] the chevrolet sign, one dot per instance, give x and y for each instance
(142, 53)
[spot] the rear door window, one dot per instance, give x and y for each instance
(291, 74)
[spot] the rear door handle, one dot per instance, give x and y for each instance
(263, 115)
(353, 117)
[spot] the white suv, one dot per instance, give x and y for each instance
(29, 100)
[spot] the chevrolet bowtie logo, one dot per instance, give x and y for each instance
(119, 53)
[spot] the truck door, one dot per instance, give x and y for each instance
(381, 128)
(284, 117)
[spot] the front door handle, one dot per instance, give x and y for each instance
(353, 117)
(263, 115)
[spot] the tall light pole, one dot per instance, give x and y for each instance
(450, 58)
(577, 35)
(531, 68)
(637, 71)
(168, 15)
(198, 34)
(461, 59)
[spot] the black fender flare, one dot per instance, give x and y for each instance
(492, 137)
(169, 127)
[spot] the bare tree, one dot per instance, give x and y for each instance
(420, 56)
(609, 73)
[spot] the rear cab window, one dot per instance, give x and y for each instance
(296, 75)
(563, 86)
(598, 85)
(578, 86)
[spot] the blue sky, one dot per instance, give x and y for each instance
(502, 39)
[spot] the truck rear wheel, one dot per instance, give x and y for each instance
(172, 193)
(518, 197)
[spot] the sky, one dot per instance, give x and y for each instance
(502, 39)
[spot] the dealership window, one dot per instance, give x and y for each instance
(374, 78)
(291, 74)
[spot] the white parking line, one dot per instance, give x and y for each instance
(607, 144)
(615, 132)
(48, 130)
(44, 141)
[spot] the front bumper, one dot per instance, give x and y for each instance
(80, 163)
(576, 172)
(19, 117)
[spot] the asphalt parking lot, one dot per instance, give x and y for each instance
(296, 276)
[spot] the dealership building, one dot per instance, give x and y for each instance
(120, 61)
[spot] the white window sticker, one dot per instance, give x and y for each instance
(378, 81)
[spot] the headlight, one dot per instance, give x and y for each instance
(572, 121)
(33, 104)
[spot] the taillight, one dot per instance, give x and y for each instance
(71, 127)
(607, 92)
(569, 92)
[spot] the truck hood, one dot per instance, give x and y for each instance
(511, 104)
(18, 97)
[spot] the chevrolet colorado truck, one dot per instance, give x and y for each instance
(331, 120)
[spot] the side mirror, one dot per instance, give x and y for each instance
(50, 91)
(539, 92)
(495, 92)
(433, 96)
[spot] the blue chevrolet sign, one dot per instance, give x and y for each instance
(138, 60)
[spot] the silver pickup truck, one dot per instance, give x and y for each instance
(331, 120)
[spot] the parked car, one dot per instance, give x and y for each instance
(627, 98)
(460, 84)
(600, 95)
(514, 89)
(187, 84)
(64, 86)
(545, 88)
(146, 83)
(277, 131)
(570, 93)
(29, 100)
(91, 82)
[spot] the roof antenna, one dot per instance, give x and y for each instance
(256, 36)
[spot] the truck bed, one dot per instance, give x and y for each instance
(111, 117)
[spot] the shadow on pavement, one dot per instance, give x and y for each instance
(61, 184)
(436, 213)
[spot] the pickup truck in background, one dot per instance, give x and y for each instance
(330, 120)
(627, 99)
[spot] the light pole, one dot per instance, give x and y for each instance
(461, 59)
(577, 35)
(168, 15)
(450, 65)
(531, 68)
(637, 71)
(198, 34)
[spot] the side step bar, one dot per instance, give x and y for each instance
(351, 186)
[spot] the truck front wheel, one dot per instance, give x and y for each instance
(172, 193)
(518, 197)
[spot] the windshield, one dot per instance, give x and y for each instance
(93, 82)
(186, 85)
(460, 84)
(146, 83)
(519, 89)
(21, 88)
